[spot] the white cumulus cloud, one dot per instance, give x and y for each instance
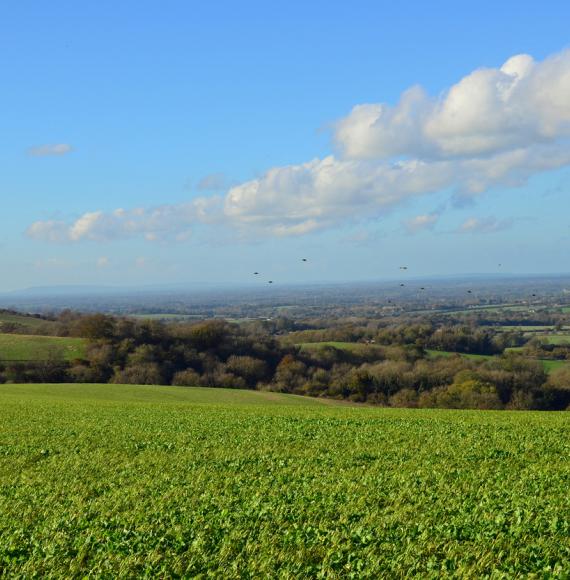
(521, 104)
(496, 127)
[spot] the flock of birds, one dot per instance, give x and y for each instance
(422, 288)
(271, 281)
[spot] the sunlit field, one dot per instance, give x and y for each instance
(20, 347)
(110, 480)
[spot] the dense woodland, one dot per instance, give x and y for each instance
(393, 363)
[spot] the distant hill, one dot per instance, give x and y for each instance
(70, 290)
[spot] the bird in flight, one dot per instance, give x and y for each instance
(469, 291)
(256, 273)
(402, 284)
(270, 282)
(303, 259)
(403, 267)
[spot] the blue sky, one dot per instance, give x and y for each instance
(162, 110)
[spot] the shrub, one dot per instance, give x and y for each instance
(144, 374)
(187, 378)
(404, 398)
(466, 394)
(249, 368)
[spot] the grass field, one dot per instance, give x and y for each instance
(554, 365)
(446, 353)
(21, 347)
(495, 307)
(116, 481)
(522, 328)
(350, 346)
(26, 322)
(561, 339)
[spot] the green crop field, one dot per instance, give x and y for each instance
(116, 481)
(21, 347)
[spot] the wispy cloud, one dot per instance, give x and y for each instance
(52, 264)
(363, 237)
(496, 127)
(487, 225)
(53, 150)
(212, 182)
(421, 222)
(167, 222)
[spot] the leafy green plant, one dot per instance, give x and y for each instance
(113, 480)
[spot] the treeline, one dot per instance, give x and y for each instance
(462, 338)
(390, 367)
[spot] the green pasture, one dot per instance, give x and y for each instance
(21, 347)
(558, 339)
(124, 481)
(350, 346)
(522, 328)
(29, 323)
(554, 365)
(492, 308)
(445, 353)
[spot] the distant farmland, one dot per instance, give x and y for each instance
(21, 347)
